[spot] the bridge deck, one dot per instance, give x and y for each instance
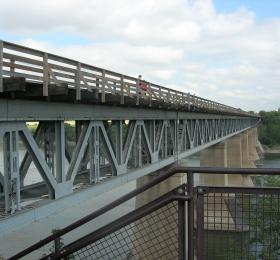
(31, 74)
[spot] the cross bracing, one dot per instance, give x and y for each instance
(103, 149)
(119, 129)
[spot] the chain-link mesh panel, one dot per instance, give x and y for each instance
(154, 236)
(242, 226)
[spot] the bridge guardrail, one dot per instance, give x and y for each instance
(45, 68)
(186, 192)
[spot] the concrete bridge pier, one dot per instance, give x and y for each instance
(239, 151)
(214, 156)
(253, 143)
(146, 242)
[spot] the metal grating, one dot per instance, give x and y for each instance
(241, 226)
(154, 236)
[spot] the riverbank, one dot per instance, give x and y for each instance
(271, 149)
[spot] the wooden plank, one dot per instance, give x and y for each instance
(62, 59)
(62, 75)
(92, 75)
(26, 50)
(21, 67)
(61, 68)
(10, 56)
(25, 75)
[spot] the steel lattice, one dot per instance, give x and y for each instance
(242, 226)
(154, 236)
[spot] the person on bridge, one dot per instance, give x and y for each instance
(143, 86)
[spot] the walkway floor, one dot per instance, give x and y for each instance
(18, 240)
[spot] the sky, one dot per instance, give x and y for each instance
(224, 50)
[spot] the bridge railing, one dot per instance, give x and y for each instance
(46, 68)
(215, 217)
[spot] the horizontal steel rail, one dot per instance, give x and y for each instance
(46, 68)
(162, 176)
(121, 222)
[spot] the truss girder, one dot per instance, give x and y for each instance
(104, 148)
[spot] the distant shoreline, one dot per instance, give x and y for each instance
(271, 150)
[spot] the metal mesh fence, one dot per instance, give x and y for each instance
(241, 225)
(154, 236)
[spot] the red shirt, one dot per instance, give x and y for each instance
(143, 86)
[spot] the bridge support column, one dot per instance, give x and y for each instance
(252, 143)
(234, 160)
(148, 239)
(246, 161)
(214, 156)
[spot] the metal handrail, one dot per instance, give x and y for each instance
(162, 176)
(121, 222)
(43, 67)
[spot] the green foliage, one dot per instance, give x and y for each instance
(32, 128)
(269, 131)
(70, 132)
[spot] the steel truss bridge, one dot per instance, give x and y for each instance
(121, 132)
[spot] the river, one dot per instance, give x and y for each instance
(271, 161)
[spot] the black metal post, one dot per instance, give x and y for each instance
(182, 229)
(190, 214)
(200, 225)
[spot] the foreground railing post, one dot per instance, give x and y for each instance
(190, 215)
(182, 229)
(57, 242)
(200, 224)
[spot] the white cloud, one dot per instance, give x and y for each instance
(184, 44)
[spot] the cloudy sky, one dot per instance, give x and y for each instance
(225, 50)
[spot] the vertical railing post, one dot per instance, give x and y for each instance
(57, 242)
(103, 87)
(45, 75)
(200, 224)
(168, 96)
(12, 67)
(190, 215)
(182, 229)
(1, 66)
(122, 89)
(189, 101)
(160, 94)
(137, 91)
(150, 94)
(78, 82)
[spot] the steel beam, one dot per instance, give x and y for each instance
(27, 159)
(60, 151)
(11, 172)
(11, 110)
(38, 160)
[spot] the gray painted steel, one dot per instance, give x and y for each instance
(105, 149)
(120, 131)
